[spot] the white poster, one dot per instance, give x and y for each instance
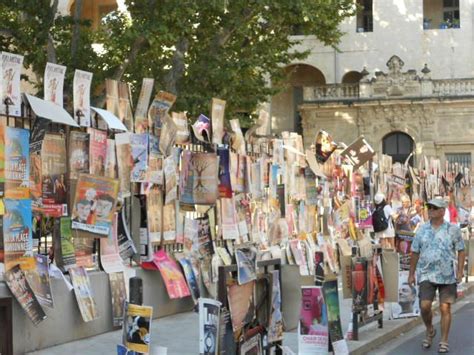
(10, 83)
(209, 315)
(408, 303)
(82, 90)
(54, 82)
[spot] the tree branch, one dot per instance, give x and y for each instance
(137, 45)
(177, 66)
(76, 32)
(50, 49)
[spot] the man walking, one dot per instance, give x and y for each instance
(438, 267)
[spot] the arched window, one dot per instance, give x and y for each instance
(351, 77)
(399, 146)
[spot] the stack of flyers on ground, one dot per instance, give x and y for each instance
(246, 264)
(136, 327)
(83, 291)
(39, 281)
(209, 316)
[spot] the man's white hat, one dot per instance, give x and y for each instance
(378, 198)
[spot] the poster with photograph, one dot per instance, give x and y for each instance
(125, 108)
(124, 162)
(209, 324)
(94, 204)
(168, 135)
(66, 257)
(119, 296)
(139, 147)
(199, 179)
(18, 285)
(10, 83)
(172, 276)
(54, 83)
(78, 154)
(408, 298)
(81, 97)
(204, 240)
(126, 246)
(246, 264)
(110, 160)
(313, 333)
(358, 153)
(325, 146)
(39, 281)
(191, 278)
(17, 162)
(217, 117)
(202, 129)
(141, 116)
(17, 234)
(136, 327)
(82, 289)
(109, 251)
(241, 304)
(158, 109)
(275, 327)
(252, 346)
(97, 151)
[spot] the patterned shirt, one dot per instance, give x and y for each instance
(437, 249)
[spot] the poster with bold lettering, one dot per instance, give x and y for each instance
(81, 97)
(54, 83)
(17, 162)
(209, 324)
(10, 83)
(313, 333)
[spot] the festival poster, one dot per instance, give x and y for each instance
(246, 258)
(125, 108)
(124, 162)
(209, 324)
(141, 117)
(94, 204)
(252, 346)
(359, 284)
(136, 327)
(158, 109)
(126, 246)
(237, 172)
(313, 332)
(18, 285)
(203, 174)
(54, 171)
(331, 298)
(358, 153)
(204, 239)
(83, 249)
(275, 327)
(37, 132)
(110, 160)
(241, 304)
(17, 234)
(181, 122)
(229, 224)
(217, 117)
(82, 289)
(325, 146)
(154, 210)
(202, 129)
(155, 162)
(403, 241)
(225, 188)
(17, 162)
(171, 183)
(97, 151)
(81, 97)
(168, 134)
(66, 257)
(172, 276)
(109, 251)
(169, 222)
(191, 229)
(39, 282)
(119, 296)
(191, 278)
(112, 96)
(78, 154)
(10, 83)
(139, 149)
(408, 298)
(54, 83)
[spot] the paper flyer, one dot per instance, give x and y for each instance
(119, 296)
(110, 160)
(136, 327)
(191, 229)
(408, 299)
(78, 154)
(82, 289)
(124, 162)
(139, 147)
(17, 234)
(39, 281)
(202, 129)
(181, 122)
(171, 183)
(158, 109)
(169, 222)
(17, 162)
(81, 97)
(217, 117)
(275, 327)
(155, 162)
(191, 278)
(154, 207)
(313, 333)
(237, 172)
(241, 304)
(37, 132)
(97, 151)
(10, 83)
(209, 317)
(54, 83)
(172, 276)
(237, 141)
(246, 264)
(125, 108)
(94, 204)
(66, 257)
(18, 285)
(252, 346)
(225, 188)
(109, 251)
(126, 246)
(229, 224)
(141, 116)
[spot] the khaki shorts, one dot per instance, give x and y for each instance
(447, 293)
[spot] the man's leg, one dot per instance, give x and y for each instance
(445, 309)
(427, 315)
(427, 293)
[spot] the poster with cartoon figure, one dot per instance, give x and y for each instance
(10, 84)
(54, 83)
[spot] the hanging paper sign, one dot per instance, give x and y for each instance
(119, 297)
(109, 251)
(78, 154)
(112, 96)
(124, 162)
(172, 276)
(225, 188)
(139, 147)
(209, 326)
(54, 83)
(217, 116)
(202, 129)
(358, 153)
(39, 281)
(125, 109)
(82, 289)
(141, 118)
(97, 151)
(10, 84)
(17, 162)
(81, 97)
(158, 109)
(325, 146)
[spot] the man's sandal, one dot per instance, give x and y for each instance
(426, 344)
(443, 348)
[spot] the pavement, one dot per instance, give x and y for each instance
(178, 334)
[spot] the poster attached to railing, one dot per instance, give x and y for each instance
(124, 162)
(313, 333)
(78, 154)
(141, 117)
(54, 83)
(17, 162)
(97, 151)
(94, 204)
(81, 97)
(139, 146)
(65, 254)
(158, 109)
(10, 84)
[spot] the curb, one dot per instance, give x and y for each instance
(360, 348)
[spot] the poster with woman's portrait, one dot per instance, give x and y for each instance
(325, 146)
(54, 83)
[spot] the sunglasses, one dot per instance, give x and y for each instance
(431, 207)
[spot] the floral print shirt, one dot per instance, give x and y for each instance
(438, 252)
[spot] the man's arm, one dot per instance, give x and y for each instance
(460, 270)
(413, 262)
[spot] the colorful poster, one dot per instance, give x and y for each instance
(18, 285)
(54, 83)
(225, 188)
(359, 284)
(275, 327)
(78, 154)
(109, 251)
(241, 304)
(67, 254)
(158, 109)
(246, 264)
(217, 117)
(17, 234)
(136, 327)
(325, 146)
(331, 298)
(198, 179)
(403, 241)
(97, 151)
(39, 281)
(125, 108)
(173, 278)
(17, 162)
(141, 118)
(204, 239)
(191, 278)
(126, 246)
(83, 292)
(209, 324)
(81, 97)
(202, 129)
(313, 333)
(408, 299)
(94, 204)
(119, 296)
(139, 148)
(124, 162)
(10, 84)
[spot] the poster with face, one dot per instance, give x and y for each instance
(10, 83)
(81, 97)
(54, 82)
(325, 146)
(408, 302)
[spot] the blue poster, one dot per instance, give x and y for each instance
(17, 163)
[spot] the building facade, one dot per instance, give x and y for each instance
(403, 77)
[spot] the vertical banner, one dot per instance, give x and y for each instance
(17, 162)
(217, 118)
(275, 327)
(124, 162)
(66, 258)
(54, 83)
(141, 118)
(313, 330)
(112, 96)
(81, 97)
(82, 289)
(10, 83)
(209, 315)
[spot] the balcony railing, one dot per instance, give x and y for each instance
(453, 87)
(331, 92)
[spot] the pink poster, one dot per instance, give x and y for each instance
(313, 328)
(172, 275)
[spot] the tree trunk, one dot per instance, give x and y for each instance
(76, 31)
(50, 49)
(177, 66)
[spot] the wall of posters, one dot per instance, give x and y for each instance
(172, 276)
(81, 97)
(209, 324)
(54, 83)
(83, 291)
(136, 327)
(17, 162)
(10, 83)
(313, 336)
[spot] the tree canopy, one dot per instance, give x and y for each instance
(197, 49)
